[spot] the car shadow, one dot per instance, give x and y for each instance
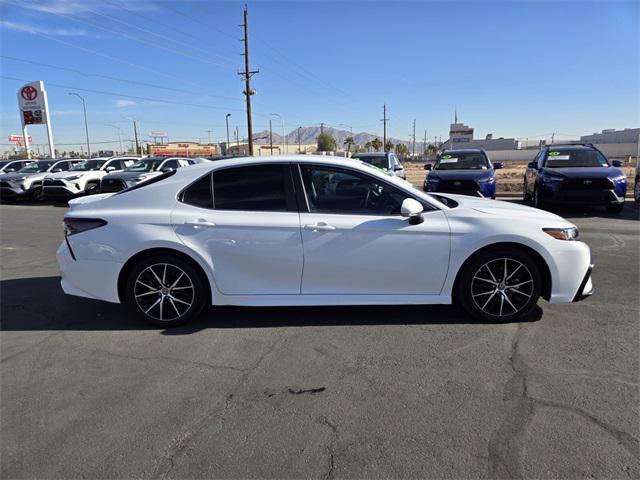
(34, 304)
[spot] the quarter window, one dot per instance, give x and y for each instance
(199, 194)
(252, 187)
(346, 192)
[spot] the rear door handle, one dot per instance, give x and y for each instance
(319, 226)
(199, 223)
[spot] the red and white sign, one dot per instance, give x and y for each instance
(18, 139)
(29, 92)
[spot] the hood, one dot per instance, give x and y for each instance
(87, 199)
(585, 172)
(461, 174)
(129, 175)
(497, 207)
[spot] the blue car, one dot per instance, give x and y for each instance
(465, 172)
(576, 174)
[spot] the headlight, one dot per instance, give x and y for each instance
(487, 180)
(553, 179)
(570, 233)
(74, 177)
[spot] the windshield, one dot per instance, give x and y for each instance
(379, 161)
(575, 158)
(462, 161)
(89, 165)
(3, 163)
(149, 165)
(36, 167)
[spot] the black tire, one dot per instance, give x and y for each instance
(474, 285)
(537, 202)
(144, 289)
(526, 198)
(636, 191)
(37, 194)
(615, 208)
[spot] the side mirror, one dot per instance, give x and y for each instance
(412, 209)
(427, 166)
(56, 170)
(398, 168)
(498, 165)
(616, 163)
(532, 165)
(165, 170)
(110, 169)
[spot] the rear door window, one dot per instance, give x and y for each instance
(252, 188)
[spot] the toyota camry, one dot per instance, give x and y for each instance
(249, 231)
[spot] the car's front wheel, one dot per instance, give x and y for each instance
(92, 188)
(166, 291)
(615, 208)
(636, 191)
(526, 198)
(500, 285)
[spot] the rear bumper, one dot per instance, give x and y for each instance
(88, 278)
(586, 286)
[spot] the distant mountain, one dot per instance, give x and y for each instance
(308, 136)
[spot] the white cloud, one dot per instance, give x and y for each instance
(75, 7)
(125, 103)
(64, 113)
(35, 29)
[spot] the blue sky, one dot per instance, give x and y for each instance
(522, 69)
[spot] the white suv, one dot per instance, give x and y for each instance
(83, 179)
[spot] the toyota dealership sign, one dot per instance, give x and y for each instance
(32, 102)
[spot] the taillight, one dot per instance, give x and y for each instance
(78, 225)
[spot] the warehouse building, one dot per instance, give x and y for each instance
(628, 135)
(461, 136)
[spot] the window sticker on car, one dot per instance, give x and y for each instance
(561, 157)
(448, 160)
(553, 154)
(446, 156)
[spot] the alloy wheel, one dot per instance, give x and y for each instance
(164, 292)
(502, 287)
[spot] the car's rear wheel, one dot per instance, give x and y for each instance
(166, 291)
(615, 208)
(499, 285)
(537, 202)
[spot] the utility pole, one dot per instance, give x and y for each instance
(425, 142)
(209, 132)
(135, 135)
(384, 121)
(553, 135)
(227, 120)
(247, 80)
(321, 128)
(270, 138)
(413, 154)
(299, 147)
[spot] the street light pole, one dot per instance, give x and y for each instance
(86, 125)
(284, 137)
(227, 120)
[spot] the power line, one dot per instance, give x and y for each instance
(135, 97)
(137, 39)
(123, 80)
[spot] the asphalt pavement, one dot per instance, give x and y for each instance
(343, 392)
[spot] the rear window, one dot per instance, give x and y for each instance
(251, 187)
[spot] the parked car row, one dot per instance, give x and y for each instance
(560, 174)
(68, 178)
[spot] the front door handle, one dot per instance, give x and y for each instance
(319, 226)
(199, 223)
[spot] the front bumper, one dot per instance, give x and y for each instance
(9, 191)
(597, 196)
(60, 189)
(463, 187)
(586, 286)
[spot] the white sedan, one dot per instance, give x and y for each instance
(250, 231)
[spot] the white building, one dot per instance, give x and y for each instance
(628, 135)
(461, 136)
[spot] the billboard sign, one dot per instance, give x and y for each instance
(18, 139)
(158, 134)
(32, 103)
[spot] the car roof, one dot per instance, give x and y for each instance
(370, 154)
(570, 147)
